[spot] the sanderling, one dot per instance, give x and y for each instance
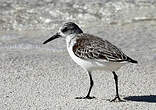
(92, 53)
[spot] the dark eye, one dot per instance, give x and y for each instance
(64, 29)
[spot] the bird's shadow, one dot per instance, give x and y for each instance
(145, 98)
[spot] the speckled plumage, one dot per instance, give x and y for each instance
(91, 47)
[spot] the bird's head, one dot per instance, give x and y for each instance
(67, 29)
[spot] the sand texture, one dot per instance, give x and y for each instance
(34, 76)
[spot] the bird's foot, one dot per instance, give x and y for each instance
(117, 99)
(87, 97)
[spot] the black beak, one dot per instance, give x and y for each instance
(52, 38)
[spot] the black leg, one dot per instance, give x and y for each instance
(91, 85)
(117, 98)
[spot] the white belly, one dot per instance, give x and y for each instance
(92, 64)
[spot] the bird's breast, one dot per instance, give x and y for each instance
(90, 64)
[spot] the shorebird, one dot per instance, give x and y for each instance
(92, 53)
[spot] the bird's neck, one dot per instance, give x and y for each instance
(70, 39)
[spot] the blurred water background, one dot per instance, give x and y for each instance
(47, 14)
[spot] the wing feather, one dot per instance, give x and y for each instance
(91, 47)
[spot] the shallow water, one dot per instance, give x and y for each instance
(48, 14)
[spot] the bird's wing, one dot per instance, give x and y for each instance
(91, 47)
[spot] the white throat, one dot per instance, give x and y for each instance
(70, 40)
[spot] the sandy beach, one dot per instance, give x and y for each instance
(34, 76)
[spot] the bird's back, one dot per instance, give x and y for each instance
(91, 47)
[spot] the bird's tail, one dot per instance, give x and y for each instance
(131, 60)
